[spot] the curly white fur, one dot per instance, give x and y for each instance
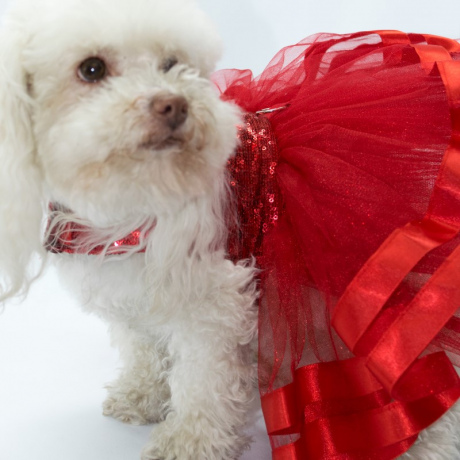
(182, 315)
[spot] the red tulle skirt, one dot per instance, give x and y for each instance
(349, 196)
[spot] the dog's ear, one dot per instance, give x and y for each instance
(21, 201)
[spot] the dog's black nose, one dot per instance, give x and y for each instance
(171, 109)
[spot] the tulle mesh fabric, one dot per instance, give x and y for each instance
(361, 132)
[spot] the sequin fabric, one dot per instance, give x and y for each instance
(251, 173)
(254, 186)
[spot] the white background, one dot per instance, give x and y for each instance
(54, 360)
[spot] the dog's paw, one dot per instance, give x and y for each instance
(197, 439)
(132, 407)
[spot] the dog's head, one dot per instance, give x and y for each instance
(105, 107)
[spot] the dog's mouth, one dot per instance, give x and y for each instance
(155, 147)
(159, 145)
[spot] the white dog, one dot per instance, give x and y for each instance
(106, 109)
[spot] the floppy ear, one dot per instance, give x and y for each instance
(21, 201)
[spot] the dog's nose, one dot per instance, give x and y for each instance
(171, 109)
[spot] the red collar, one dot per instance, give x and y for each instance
(67, 237)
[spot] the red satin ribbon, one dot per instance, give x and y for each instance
(365, 297)
(387, 394)
(329, 403)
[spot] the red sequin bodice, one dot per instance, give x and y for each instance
(254, 186)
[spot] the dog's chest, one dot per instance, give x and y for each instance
(114, 290)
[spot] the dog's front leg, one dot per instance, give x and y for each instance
(211, 383)
(210, 391)
(141, 394)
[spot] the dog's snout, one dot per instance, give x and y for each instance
(171, 109)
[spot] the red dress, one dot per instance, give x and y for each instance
(349, 196)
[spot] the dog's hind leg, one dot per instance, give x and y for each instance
(441, 441)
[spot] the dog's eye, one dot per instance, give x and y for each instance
(92, 70)
(169, 63)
